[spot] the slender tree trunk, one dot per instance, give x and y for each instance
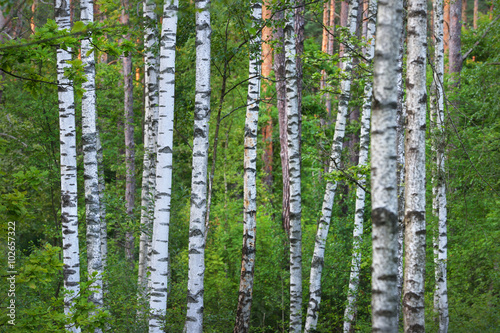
(446, 25)
(32, 19)
(439, 189)
(476, 12)
(324, 45)
(150, 137)
(415, 228)
(129, 138)
(293, 117)
(194, 317)
(279, 70)
(90, 174)
(331, 41)
(383, 168)
(102, 213)
(464, 13)
(344, 17)
(331, 186)
(159, 253)
(69, 209)
(455, 58)
(350, 310)
(267, 65)
(250, 186)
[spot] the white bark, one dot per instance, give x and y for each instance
(415, 230)
(90, 174)
(383, 168)
(102, 204)
(439, 188)
(250, 186)
(364, 143)
(326, 211)
(194, 317)
(159, 252)
(293, 117)
(67, 137)
(150, 134)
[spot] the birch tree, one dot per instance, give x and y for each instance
(67, 137)
(439, 189)
(159, 252)
(150, 135)
(331, 186)
(415, 228)
(364, 143)
(383, 168)
(194, 317)
(250, 187)
(293, 129)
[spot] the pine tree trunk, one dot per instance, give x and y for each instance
(415, 226)
(129, 139)
(331, 41)
(455, 58)
(383, 168)
(476, 12)
(250, 186)
(267, 65)
(293, 118)
(159, 257)
(446, 25)
(350, 310)
(90, 174)
(464, 13)
(194, 317)
(326, 211)
(150, 136)
(69, 209)
(439, 189)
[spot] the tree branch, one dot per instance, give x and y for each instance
(480, 38)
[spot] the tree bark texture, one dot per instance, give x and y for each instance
(415, 226)
(331, 186)
(90, 174)
(293, 128)
(455, 57)
(350, 310)
(128, 106)
(150, 139)
(383, 168)
(439, 188)
(159, 256)
(250, 186)
(194, 317)
(69, 209)
(476, 12)
(102, 214)
(267, 65)
(446, 25)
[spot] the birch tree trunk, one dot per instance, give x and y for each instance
(67, 137)
(194, 317)
(331, 186)
(250, 187)
(150, 137)
(383, 168)
(90, 174)
(439, 189)
(415, 228)
(129, 138)
(293, 129)
(364, 143)
(159, 252)
(102, 214)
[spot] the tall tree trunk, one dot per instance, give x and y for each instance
(446, 25)
(293, 118)
(69, 209)
(476, 12)
(267, 65)
(324, 48)
(102, 213)
(90, 174)
(331, 186)
(415, 229)
(279, 70)
(383, 168)
(439, 189)
(455, 58)
(129, 138)
(331, 42)
(32, 19)
(194, 317)
(464, 13)
(344, 17)
(150, 138)
(350, 310)
(250, 186)
(159, 259)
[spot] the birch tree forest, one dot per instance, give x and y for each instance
(249, 166)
